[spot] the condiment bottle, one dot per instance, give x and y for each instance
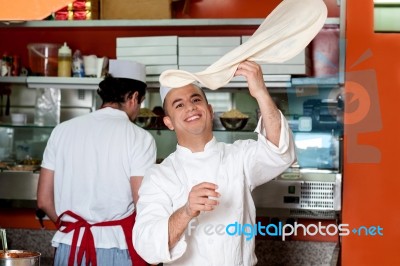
(64, 61)
(16, 68)
(77, 64)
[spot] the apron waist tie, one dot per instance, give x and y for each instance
(87, 246)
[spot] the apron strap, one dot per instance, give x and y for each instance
(87, 244)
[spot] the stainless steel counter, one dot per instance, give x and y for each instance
(18, 189)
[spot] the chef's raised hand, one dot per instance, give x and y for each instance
(202, 198)
(254, 76)
(271, 117)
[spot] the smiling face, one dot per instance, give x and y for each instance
(189, 114)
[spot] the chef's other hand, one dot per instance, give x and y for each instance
(200, 199)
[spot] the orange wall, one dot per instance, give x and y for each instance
(371, 182)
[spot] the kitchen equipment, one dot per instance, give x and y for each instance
(303, 194)
(4, 241)
(325, 113)
(18, 119)
(94, 66)
(17, 257)
(146, 118)
(233, 120)
(43, 59)
(236, 123)
(64, 61)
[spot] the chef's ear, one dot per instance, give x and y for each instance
(211, 110)
(135, 97)
(168, 122)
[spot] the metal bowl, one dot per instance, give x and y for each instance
(145, 121)
(234, 123)
(23, 168)
(19, 258)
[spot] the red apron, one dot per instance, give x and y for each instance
(87, 246)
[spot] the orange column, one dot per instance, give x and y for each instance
(370, 196)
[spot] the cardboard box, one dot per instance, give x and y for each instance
(135, 9)
(150, 50)
(201, 50)
(193, 60)
(147, 41)
(153, 60)
(158, 69)
(209, 41)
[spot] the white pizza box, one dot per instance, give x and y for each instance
(158, 69)
(204, 50)
(282, 69)
(147, 41)
(209, 41)
(147, 50)
(267, 69)
(192, 68)
(152, 78)
(192, 60)
(269, 78)
(302, 58)
(153, 60)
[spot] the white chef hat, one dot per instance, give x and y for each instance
(163, 92)
(165, 89)
(127, 69)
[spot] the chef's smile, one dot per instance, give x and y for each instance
(193, 118)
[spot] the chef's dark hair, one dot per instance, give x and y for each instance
(117, 90)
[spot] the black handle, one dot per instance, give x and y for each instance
(40, 214)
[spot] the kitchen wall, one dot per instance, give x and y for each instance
(370, 163)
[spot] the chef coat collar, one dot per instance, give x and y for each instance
(112, 111)
(209, 147)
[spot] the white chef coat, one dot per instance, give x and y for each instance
(237, 169)
(93, 157)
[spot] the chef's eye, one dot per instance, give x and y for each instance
(178, 105)
(196, 100)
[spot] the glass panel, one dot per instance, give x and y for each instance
(386, 15)
(317, 150)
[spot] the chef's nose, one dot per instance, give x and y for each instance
(191, 107)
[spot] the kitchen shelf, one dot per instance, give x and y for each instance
(63, 83)
(10, 125)
(13, 80)
(311, 81)
(142, 23)
(92, 83)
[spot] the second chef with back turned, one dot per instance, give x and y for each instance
(92, 168)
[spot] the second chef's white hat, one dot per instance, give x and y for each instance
(128, 69)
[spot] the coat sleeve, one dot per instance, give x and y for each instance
(150, 232)
(263, 160)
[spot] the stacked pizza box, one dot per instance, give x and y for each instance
(157, 53)
(299, 65)
(195, 54)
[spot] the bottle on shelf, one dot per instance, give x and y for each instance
(64, 61)
(77, 65)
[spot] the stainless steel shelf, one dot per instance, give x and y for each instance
(13, 80)
(63, 83)
(92, 83)
(142, 23)
(312, 81)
